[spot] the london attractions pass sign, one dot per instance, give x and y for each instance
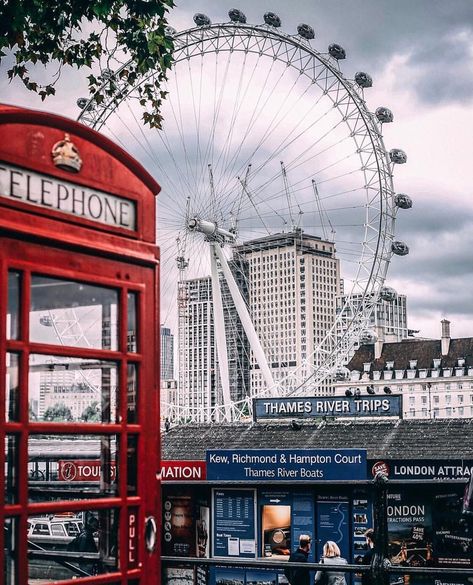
(319, 406)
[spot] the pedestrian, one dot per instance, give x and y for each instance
(368, 556)
(332, 556)
(299, 575)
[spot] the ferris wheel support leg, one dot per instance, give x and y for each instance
(246, 322)
(220, 338)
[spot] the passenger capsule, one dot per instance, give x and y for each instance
(201, 19)
(363, 79)
(384, 115)
(82, 103)
(398, 156)
(399, 248)
(367, 337)
(272, 19)
(402, 201)
(336, 51)
(341, 373)
(170, 32)
(237, 15)
(306, 31)
(388, 294)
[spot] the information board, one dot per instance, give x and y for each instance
(332, 524)
(234, 523)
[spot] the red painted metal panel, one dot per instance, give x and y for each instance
(183, 470)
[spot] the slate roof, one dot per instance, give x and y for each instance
(422, 350)
(388, 439)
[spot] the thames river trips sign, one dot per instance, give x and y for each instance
(335, 406)
(286, 465)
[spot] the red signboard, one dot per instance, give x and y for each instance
(183, 470)
(83, 470)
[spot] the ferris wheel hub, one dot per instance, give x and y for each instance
(211, 230)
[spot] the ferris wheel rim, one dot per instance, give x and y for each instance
(386, 212)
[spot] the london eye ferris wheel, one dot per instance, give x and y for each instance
(263, 135)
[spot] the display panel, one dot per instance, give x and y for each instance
(72, 545)
(72, 467)
(234, 523)
(70, 313)
(70, 389)
(11, 469)
(12, 389)
(13, 309)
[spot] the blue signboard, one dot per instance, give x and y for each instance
(286, 464)
(336, 406)
(234, 523)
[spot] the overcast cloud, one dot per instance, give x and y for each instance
(420, 54)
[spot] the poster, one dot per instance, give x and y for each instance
(410, 533)
(234, 523)
(453, 543)
(178, 526)
(178, 576)
(202, 526)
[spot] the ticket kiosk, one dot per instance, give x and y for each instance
(79, 315)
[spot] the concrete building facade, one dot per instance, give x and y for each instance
(434, 377)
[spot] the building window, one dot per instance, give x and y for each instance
(436, 399)
(461, 411)
(424, 412)
(448, 411)
(460, 399)
(412, 412)
(448, 399)
(436, 412)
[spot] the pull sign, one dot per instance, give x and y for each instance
(133, 539)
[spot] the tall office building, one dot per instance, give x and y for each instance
(293, 285)
(167, 354)
(199, 376)
(290, 283)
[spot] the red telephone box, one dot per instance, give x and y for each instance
(79, 315)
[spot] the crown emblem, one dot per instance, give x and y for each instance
(66, 155)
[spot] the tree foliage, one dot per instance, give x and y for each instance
(121, 41)
(58, 413)
(92, 413)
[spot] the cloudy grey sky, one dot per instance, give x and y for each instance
(420, 55)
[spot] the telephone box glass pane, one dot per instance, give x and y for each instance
(72, 467)
(74, 314)
(132, 321)
(10, 532)
(72, 545)
(70, 389)
(132, 394)
(11, 469)
(12, 391)
(132, 464)
(13, 311)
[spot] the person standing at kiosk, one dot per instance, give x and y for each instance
(299, 576)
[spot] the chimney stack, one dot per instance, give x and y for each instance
(445, 336)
